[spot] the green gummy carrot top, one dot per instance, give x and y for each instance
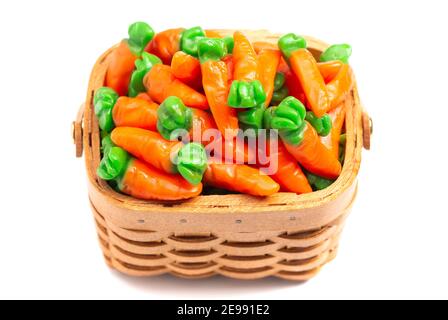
(192, 162)
(104, 102)
(142, 67)
(211, 49)
(341, 52)
(289, 119)
(173, 116)
(245, 94)
(252, 118)
(290, 43)
(189, 40)
(140, 34)
(114, 164)
(322, 125)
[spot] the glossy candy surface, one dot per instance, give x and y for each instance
(340, 52)
(142, 67)
(173, 116)
(176, 103)
(245, 94)
(322, 125)
(302, 140)
(104, 102)
(216, 84)
(122, 60)
(189, 40)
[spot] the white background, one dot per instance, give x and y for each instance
(395, 242)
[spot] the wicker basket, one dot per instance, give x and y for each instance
(238, 236)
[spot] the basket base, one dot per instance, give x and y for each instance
(291, 256)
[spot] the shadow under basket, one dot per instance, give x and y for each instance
(238, 236)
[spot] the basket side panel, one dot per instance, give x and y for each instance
(290, 255)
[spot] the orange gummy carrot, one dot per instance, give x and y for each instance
(305, 67)
(120, 68)
(329, 69)
(240, 178)
(228, 60)
(314, 156)
(262, 45)
(145, 182)
(229, 150)
(121, 61)
(160, 84)
(216, 86)
(292, 82)
(148, 146)
(214, 34)
(202, 122)
(135, 112)
(289, 175)
(165, 44)
(144, 96)
(340, 86)
(337, 119)
(268, 61)
(244, 59)
(187, 69)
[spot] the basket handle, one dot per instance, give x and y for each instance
(367, 129)
(77, 131)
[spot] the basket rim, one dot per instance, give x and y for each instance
(100, 191)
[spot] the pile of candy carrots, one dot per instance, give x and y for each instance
(160, 88)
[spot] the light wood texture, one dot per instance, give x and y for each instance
(367, 124)
(238, 236)
(77, 131)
